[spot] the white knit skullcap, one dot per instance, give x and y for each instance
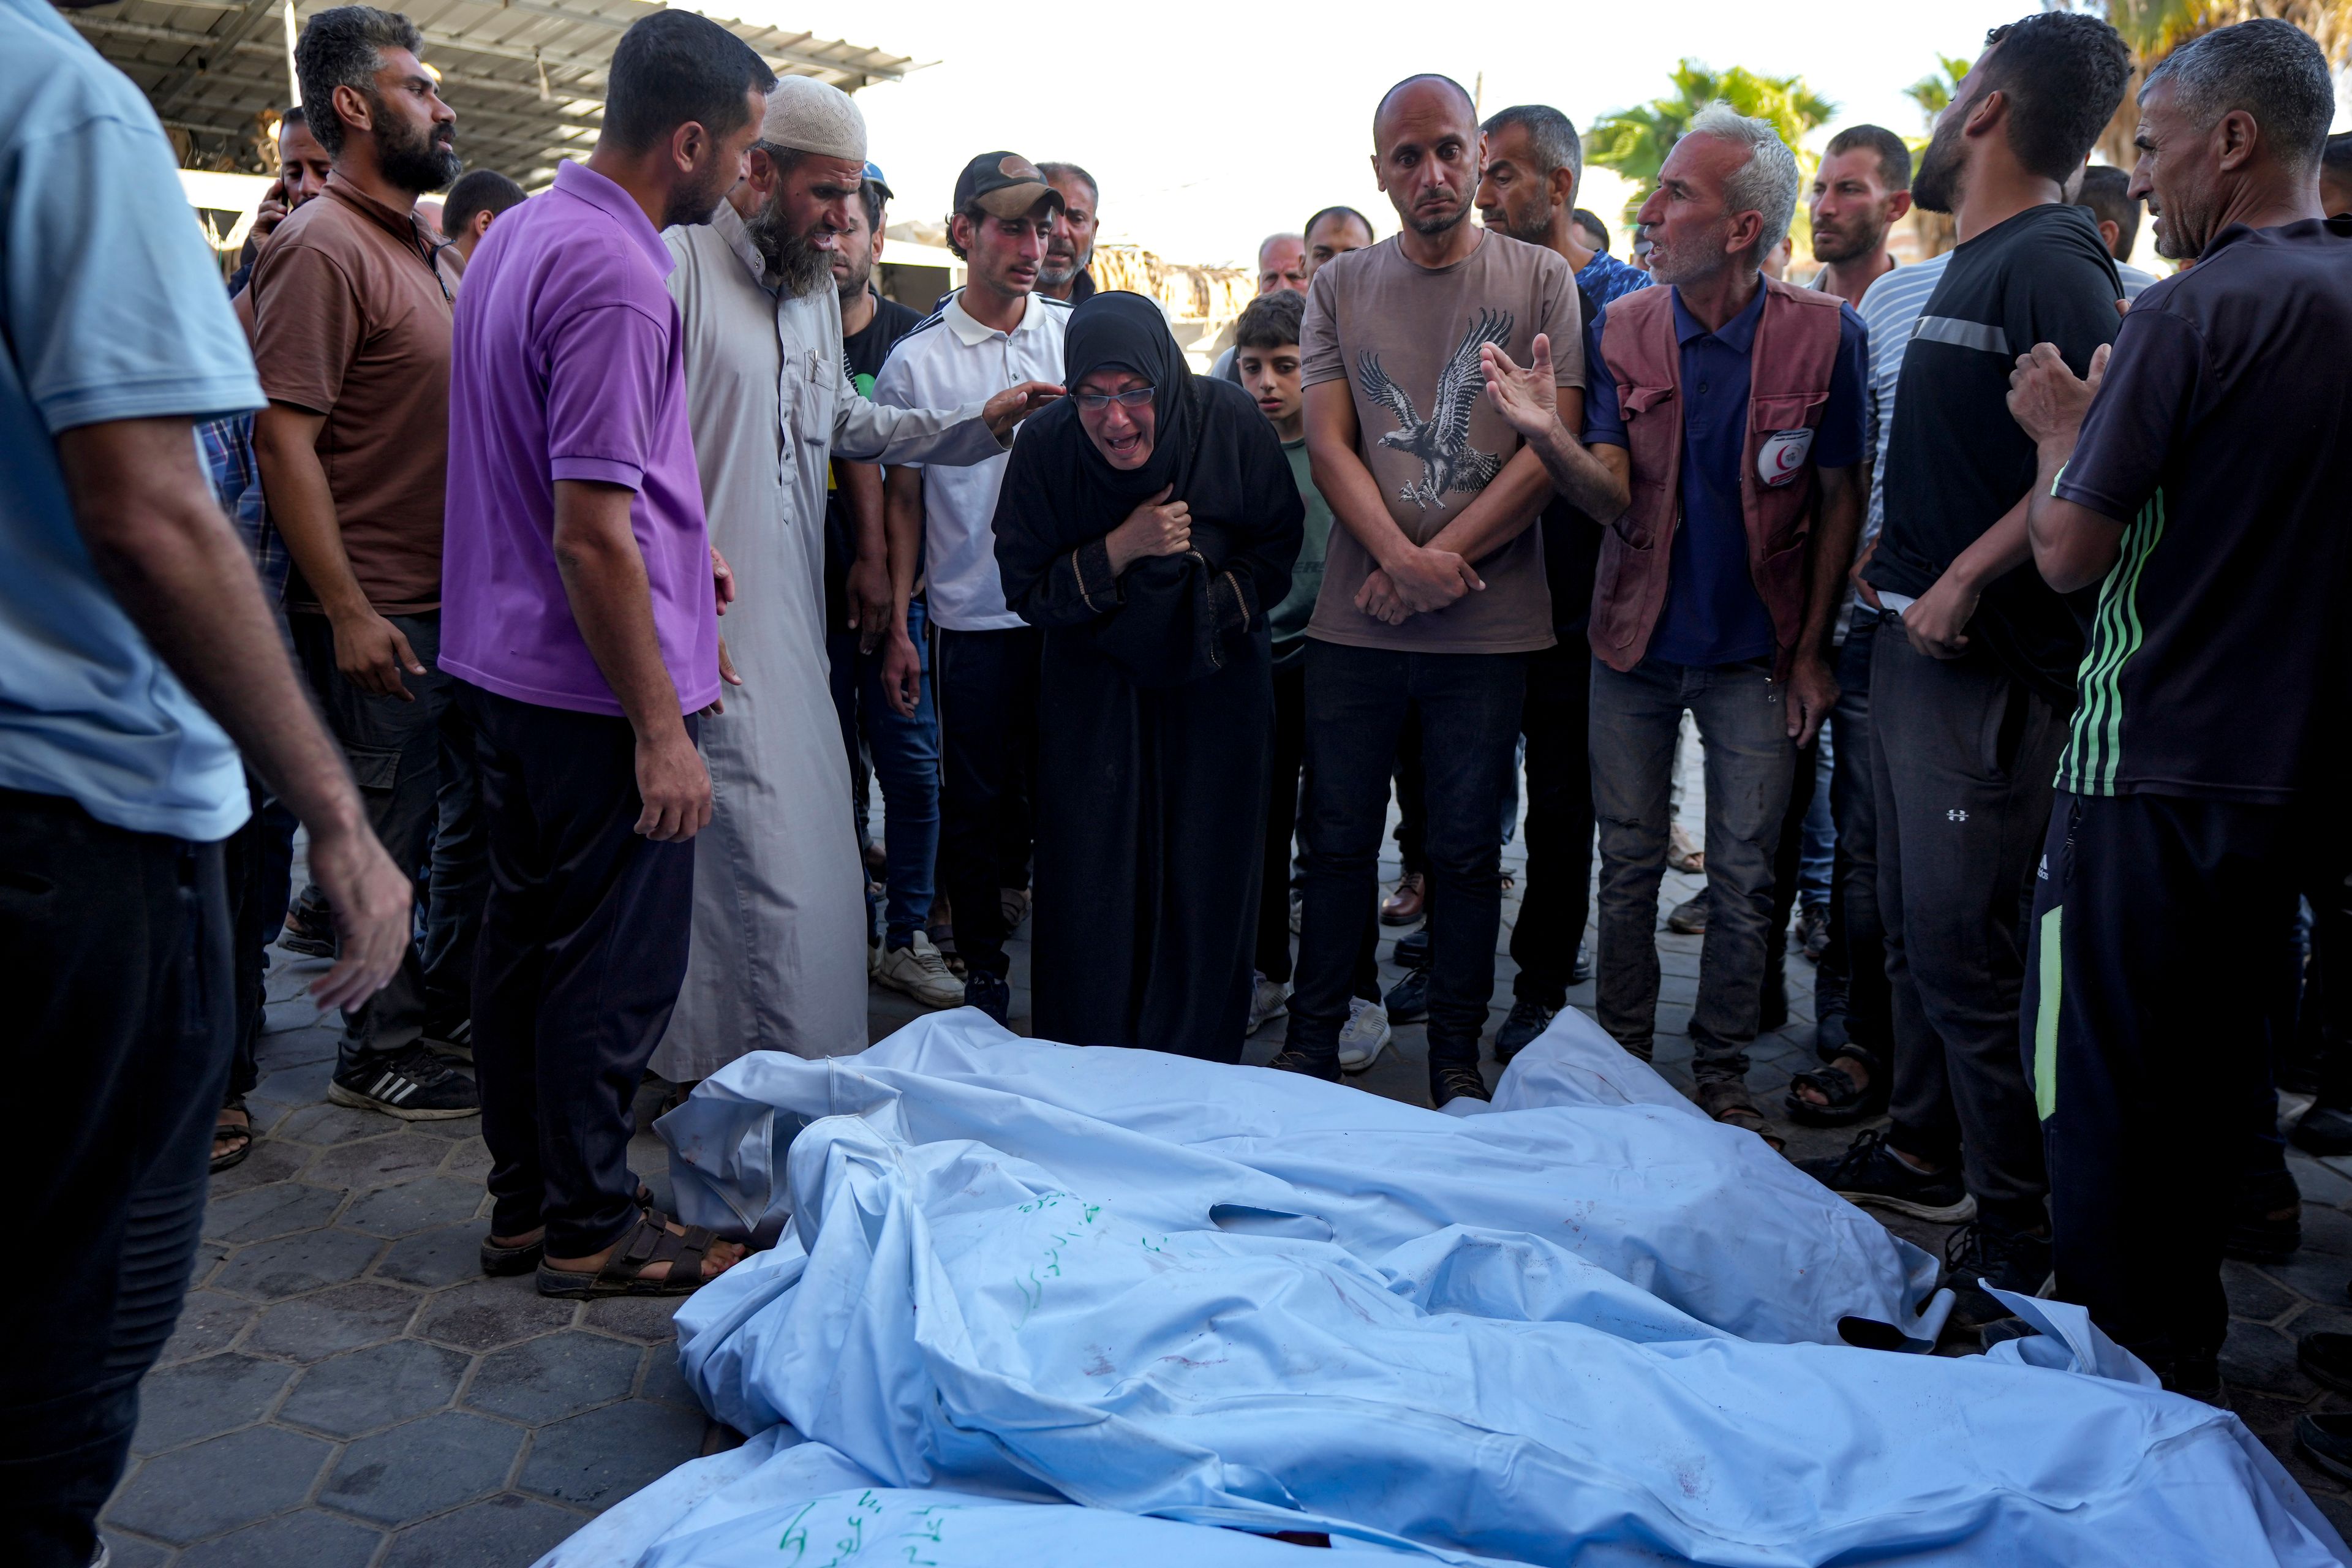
(811, 116)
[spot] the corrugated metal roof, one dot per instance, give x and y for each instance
(526, 76)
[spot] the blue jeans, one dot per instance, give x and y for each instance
(905, 756)
(1750, 763)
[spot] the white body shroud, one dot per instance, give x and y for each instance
(1227, 1297)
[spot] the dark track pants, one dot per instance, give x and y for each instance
(2149, 913)
(583, 951)
(114, 956)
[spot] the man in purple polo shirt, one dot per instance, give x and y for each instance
(580, 615)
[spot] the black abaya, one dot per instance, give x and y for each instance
(1156, 702)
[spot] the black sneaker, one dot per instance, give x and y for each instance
(2259, 1236)
(1873, 1175)
(415, 1085)
(1581, 970)
(1414, 951)
(1528, 1020)
(2324, 1129)
(1812, 934)
(2327, 1360)
(2326, 1441)
(1456, 1080)
(311, 935)
(1408, 1000)
(990, 993)
(1984, 1249)
(1325, 1067)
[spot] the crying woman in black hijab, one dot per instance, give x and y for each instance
(1147, 523)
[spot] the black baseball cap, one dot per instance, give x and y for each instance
(1003, 183)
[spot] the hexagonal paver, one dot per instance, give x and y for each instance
(271, 1160)
(415, 1205)
(421, 1469)
(595, 1459)
(294, 1264)
(202, 1398)
(194, 1492)
(259, 1212)
(208, 1322)
(470, 1159)
(2258, 1358)
(311, 1328)
(362, 1390)
(663, 1382)
(309, 1539)
(556, 1375)
(645, 1318)
(450, 1255)
(378, 1162)
(127, 1552)
(328, 1125)
(502, 1533)
(494, 1312)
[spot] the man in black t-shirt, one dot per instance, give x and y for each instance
(2205, 497)
(1970, 688)
(881, 681)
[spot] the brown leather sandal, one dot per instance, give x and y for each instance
(1725, 1100)
(649, 1242)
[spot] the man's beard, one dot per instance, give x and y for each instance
(1691, 263)
(1060, 270)
(1427, 224)
(1538, 234)
(415, 161)
(1830, 245)
(798, 267)
(854, 281)
(1937, 186)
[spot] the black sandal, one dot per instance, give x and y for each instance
(649, 1242)
(503, 1261)
(1847, 1101)
(236, 1152)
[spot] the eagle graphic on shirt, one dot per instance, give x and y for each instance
(1442, 442)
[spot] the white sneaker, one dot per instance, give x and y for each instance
(1364, 1035)
(919, 971)
(1267, 998)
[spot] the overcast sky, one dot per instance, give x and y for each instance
(1211, 125)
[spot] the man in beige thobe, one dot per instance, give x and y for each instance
(778, 953)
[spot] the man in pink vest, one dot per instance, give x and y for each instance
(1727, 408)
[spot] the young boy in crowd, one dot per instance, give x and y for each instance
(1265, 362)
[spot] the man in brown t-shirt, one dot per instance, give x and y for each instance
(352, 303)
(1434, 589)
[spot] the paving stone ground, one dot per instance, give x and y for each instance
(347, 1391)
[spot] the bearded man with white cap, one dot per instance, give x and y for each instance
(778, 959)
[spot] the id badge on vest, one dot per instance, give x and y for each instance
(1782, 457)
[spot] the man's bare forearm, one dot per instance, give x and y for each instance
(1590, 479)
(302, 506)
(1997, 551)
(902, 528)
(147, 514)
(605, 580)
(862, 483)
(1835, 540)
(2074, 546)
(1505, 509)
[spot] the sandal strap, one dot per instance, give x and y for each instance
(651, 1241)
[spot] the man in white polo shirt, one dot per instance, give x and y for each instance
(996, 332)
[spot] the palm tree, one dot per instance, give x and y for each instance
(1635, 142)
(2154, 28)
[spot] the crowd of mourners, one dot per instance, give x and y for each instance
(573, 568)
